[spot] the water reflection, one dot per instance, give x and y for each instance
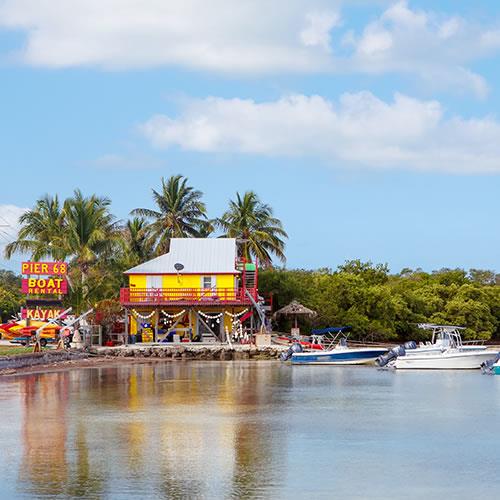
(245, 430)
(178, 429)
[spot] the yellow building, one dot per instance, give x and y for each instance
(198, 291)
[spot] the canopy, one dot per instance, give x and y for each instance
(331, 329)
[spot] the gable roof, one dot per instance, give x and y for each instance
(197, 255)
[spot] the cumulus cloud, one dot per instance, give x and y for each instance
(359, 129)
(218, 35)
(252, 37)
(437, 48)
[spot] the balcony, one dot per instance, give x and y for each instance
(185, 296)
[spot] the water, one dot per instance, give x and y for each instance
(249, 429)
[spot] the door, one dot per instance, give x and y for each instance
(210, 330)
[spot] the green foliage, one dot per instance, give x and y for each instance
(180, 213)
(252, 222)
(10, 294)
(382, 306)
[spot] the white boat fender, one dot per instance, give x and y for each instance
(384, 359)
(487, 366)
(296, 347)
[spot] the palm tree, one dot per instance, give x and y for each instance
(252, 222)
(180, 212)
(136, 236)
(42, 231)
(91, 230)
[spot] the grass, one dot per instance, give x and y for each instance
(15, 350)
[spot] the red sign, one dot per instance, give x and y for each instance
(41, 314)
(45, 268)
(45, 286)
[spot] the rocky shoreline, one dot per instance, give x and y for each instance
(48, 361)
(216, 352)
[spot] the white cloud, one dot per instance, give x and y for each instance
(317, 31)
(359, 129)
(436, 48)
(251, 37)
(218, 35)
(9, 226)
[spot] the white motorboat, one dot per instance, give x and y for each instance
(451, 359)
(450, 354)
(442, 340)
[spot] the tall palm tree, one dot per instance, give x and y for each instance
(180, 212)
(91, 229)
(261, 234)
(42, 231)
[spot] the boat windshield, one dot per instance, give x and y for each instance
(446, 336)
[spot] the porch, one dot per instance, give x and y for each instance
(187, 296)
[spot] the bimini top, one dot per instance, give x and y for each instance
(332, 329)
(195, 255)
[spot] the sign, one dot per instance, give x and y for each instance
(45, 286)
(45, 268)
(41, 314)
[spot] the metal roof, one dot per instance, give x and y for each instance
(197, 255)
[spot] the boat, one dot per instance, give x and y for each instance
(451, 354)
(441, 340)
(335, 350)
(492, 366)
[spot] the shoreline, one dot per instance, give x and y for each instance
(51, 361)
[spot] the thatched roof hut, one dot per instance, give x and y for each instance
(295, 309)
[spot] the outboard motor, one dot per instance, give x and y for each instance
(487, 366)
(411, 344)
(296, 347)
(384, 359)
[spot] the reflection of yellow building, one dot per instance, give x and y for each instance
(165, 430)
(196, 291)
(45, 431)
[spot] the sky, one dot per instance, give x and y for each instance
(371, 127)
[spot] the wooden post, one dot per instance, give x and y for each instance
(191, 336)
(125, 340)
(157, 321)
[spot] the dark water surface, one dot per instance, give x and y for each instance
(251, 430)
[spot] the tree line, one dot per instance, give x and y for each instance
(383, 306)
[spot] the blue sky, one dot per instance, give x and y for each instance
(370, 127)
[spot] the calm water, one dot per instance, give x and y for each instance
(252, 430)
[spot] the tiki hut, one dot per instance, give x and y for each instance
(294, 310)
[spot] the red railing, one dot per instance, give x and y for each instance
(185, 296)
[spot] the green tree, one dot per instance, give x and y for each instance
(42, 232)
(261, 235)
(180, 212)
(138, 241)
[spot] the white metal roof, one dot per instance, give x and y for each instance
(197, 255)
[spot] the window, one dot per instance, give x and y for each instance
(208, 282)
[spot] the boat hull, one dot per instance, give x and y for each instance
(338, 357)
(445, 361)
